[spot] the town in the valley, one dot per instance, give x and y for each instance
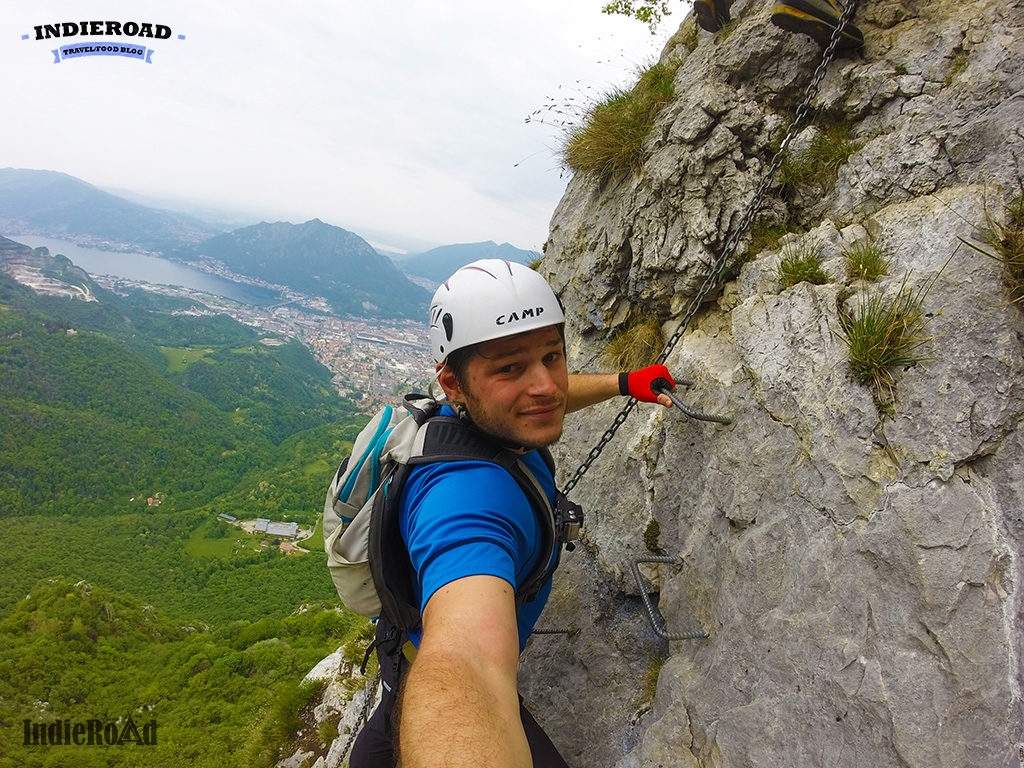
(373, 361)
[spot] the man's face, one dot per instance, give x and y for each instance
(515, 388)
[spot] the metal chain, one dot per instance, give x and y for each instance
(370, 695)
(606, 438)
(732, 240)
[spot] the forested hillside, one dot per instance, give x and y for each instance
(198, 697)
(127, 426)
(336, 264)
(107, 403)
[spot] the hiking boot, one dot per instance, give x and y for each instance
(817, 18)
(711, 14)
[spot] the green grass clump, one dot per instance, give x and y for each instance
(327, 731)
(960, 58)
(611, 138)
(1008, 241)
(685, 36)
(820, 162)
(650, 682)
(637, 345)
(281, 721)
(865, 261)
(882, 336)
(765, 236)
(726, 31)
(802, 265)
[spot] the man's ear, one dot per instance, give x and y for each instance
(450, 383)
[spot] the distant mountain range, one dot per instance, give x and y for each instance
(438, 264)
(58, 205)
(313, 258)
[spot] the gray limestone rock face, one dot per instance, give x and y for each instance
(857, 567)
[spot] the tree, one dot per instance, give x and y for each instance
(650, 12)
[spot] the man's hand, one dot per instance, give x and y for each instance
(640, 384)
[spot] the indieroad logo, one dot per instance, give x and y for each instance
(135, 47)
(89, 733)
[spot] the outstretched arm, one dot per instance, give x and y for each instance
(460, 707)
(586, 389)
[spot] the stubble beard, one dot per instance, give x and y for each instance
(500, 431)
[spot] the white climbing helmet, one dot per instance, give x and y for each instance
(489, 299)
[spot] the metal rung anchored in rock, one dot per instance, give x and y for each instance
(662, 387)
(657, 622)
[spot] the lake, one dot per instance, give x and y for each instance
(150, 269)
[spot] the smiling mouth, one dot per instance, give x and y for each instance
(544, 412)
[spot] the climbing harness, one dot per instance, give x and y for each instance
(731, 241)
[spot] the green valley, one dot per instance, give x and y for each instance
(132, 429)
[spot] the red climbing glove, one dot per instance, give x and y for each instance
(639, 383)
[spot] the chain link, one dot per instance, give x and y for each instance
(732, 240)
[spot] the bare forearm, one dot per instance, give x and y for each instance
(460, 708)
(457, 714)
(586, 389)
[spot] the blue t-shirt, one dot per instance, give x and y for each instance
(471, 518)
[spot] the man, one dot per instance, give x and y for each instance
(496, 331)
(816, 18)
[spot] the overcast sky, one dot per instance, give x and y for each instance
(404, 118)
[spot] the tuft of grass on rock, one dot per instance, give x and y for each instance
(883, 335)
(636, 345)
(1007, 240)
(819, 164)
(865, 261)
(652, 536)
(685, 36)
(650, 683)
(726, 31)
(611, 138)
(960, 59)
(801, 264)
(765, 236)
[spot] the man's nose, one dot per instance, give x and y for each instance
(542, 380)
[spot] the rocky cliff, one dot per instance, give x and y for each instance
(852, 550)
(855, 561)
